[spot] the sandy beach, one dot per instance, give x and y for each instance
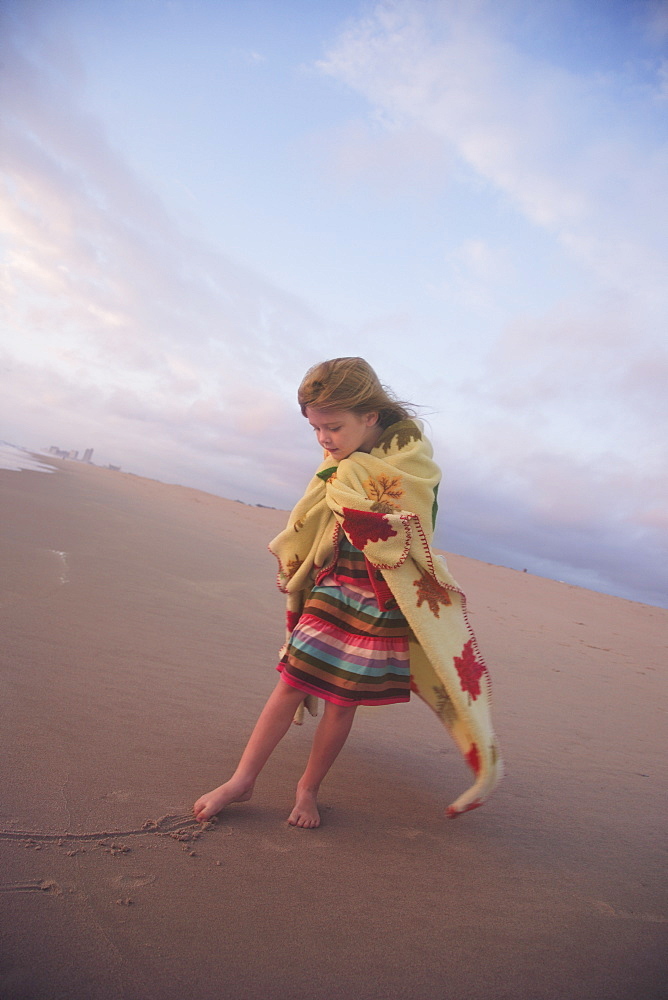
(140, 627)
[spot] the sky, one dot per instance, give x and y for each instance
(201, 199)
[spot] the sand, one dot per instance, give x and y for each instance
(140, 626)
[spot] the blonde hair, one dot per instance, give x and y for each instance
(350, 384)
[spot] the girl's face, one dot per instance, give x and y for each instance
(341, 432)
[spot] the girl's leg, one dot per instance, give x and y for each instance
(271, 726)
(328, 741)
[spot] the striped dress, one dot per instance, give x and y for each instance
(344, 648)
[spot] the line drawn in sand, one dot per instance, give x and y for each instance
(182, 828)
(46, 885)
(64, 568)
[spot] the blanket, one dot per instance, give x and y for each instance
(385, 503)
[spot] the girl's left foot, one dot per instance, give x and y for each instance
(305, 812)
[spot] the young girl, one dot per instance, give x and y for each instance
(372, 611)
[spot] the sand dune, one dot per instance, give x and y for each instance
(140, 626)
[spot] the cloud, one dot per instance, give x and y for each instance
(571, 473)
(123, 330)
(575, 155)
(561, 405)
(405, 163)
(601, 529)
(655, 22)
(125, 333)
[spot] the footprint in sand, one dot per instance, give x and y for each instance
(406, 832)
(271, 845)
(609, 911)
(117, 796)
(134, 880)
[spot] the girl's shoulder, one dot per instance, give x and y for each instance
(400, 434)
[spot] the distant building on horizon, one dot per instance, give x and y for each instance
(72, 454)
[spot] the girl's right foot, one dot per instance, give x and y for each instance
(211, 803)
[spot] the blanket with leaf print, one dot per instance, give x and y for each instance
(385, 503)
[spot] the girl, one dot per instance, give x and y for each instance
(372, 611)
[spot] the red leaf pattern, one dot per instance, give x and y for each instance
(473, 758)
(431, 591)
(362, 526)
(470, 670)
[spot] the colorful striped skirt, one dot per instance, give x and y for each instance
(346, 650)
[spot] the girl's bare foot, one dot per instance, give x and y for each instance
(305, 812)
(211, 803)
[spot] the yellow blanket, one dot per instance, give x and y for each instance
(385, 502)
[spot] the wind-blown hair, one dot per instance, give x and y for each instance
(350, 384)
